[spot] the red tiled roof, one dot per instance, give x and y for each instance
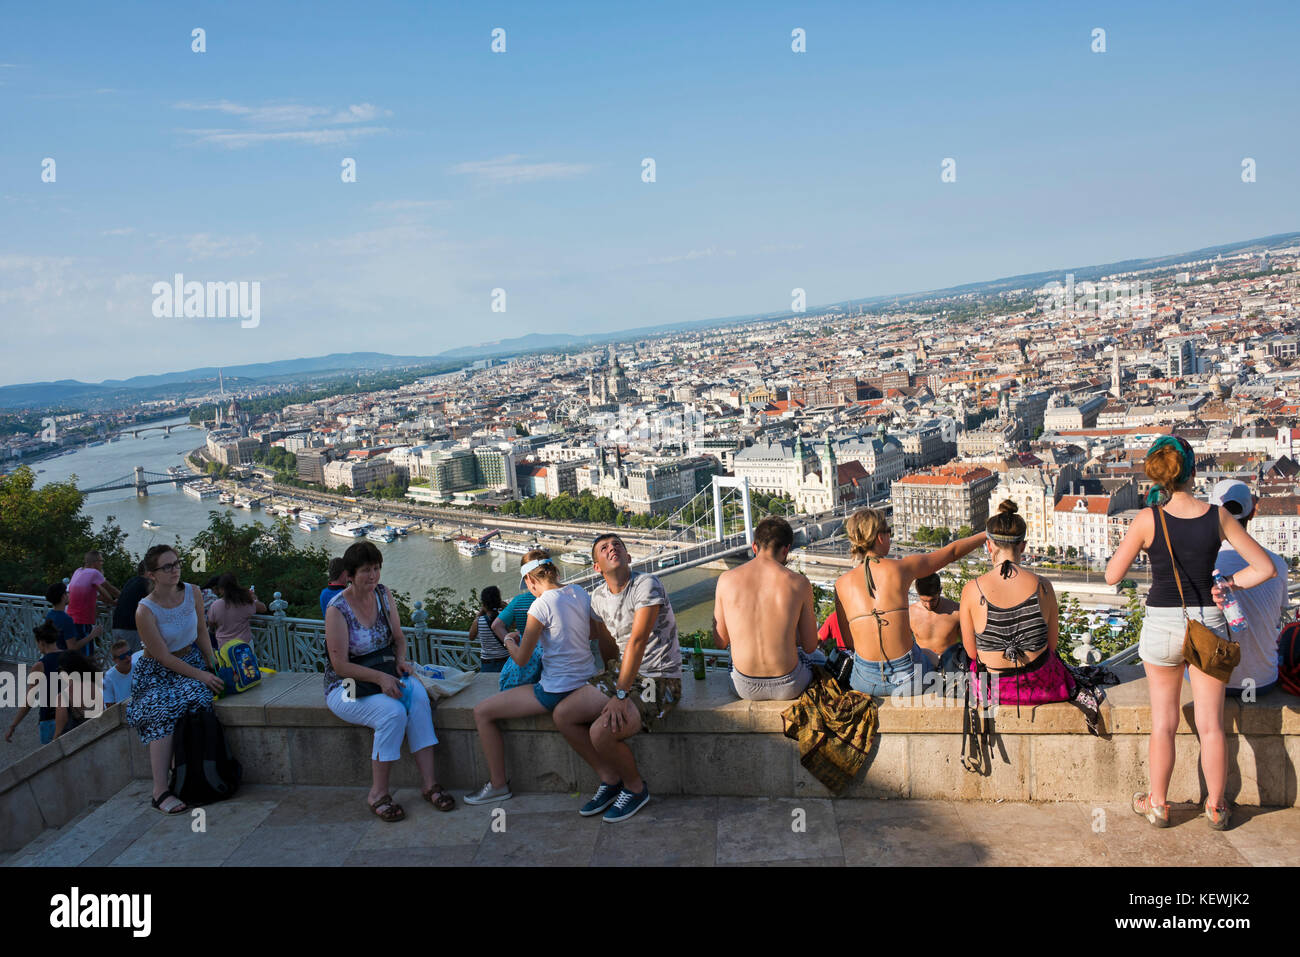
(1097, 504)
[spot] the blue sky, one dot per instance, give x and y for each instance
(522, 170)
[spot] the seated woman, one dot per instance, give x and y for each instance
(362, 619)
(1009, 622)
(560, 620)
(886, 658)
(170, 679)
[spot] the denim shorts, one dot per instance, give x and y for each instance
(491, 666)
(548, 699)
(1161, 642)
(905, 674)
(47, 731)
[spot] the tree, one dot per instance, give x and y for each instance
(44, 536)
(1071, 552)
(1051, 551)
(520, 429)
(965, 532)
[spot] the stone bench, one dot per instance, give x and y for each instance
(711, 744)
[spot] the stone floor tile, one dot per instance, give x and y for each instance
(426, 826)
(810, 862)
(173, 842)
(296, 806)
(457, 855)
(1266, 837)
(764, 829)
(304, 845)
(124, 837)
(676, 832)
(555, 839)
(1131, 842)
(908, 833)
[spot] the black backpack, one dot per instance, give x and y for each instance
(205, 771)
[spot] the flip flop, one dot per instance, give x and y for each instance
(443, 801)
(393, 811)
(157, 802)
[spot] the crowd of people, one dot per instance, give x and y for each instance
(1001, 639)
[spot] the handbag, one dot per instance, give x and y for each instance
(839, 663)
(381, 659)
(1203, 648)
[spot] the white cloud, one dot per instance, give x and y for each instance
(408, 205)
(121, 231)
(508, 169)
(206, 246)
(235, 139)
(693, 254)
(286, 123)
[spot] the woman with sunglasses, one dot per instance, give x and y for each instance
(871, 605)
(1195, 531)
(170, 679)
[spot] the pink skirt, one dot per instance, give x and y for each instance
(1043, 681)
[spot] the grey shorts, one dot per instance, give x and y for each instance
(1161, 642)
(785, 688)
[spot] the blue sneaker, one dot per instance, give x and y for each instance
(603, 798)
(627, 804)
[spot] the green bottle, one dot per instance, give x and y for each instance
(699, 657)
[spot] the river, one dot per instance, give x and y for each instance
(412, 564)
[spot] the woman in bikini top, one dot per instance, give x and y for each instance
(872, 604)
(1016, 628)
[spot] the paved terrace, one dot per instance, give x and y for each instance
(269, 825)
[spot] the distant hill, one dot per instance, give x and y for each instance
(72, 393)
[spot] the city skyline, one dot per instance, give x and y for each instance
(522, 170)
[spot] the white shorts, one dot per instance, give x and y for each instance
(1163, 629)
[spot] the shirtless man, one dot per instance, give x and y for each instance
(765, 614)
(936, 622)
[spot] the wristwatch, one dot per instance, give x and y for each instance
(620, 694)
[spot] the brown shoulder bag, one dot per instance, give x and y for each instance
(1203, 649)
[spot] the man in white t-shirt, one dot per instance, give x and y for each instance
(633, 622)
(117, 679)
(1262, 605)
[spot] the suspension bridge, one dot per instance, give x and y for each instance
(140, 480)
(718, 522)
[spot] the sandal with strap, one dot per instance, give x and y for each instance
(392, 812)
(442, 801)
(180, 808)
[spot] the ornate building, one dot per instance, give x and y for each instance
(607, 385)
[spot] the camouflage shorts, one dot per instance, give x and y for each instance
(653, 697)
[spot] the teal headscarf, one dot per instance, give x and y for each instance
(1157, 494)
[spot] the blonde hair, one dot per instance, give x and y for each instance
(543, 573)
(863, 528)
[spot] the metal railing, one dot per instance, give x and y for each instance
(280, 642)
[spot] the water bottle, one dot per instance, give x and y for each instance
(1231, 607)
(408, 693)
(699, 658)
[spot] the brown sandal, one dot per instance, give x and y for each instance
(443, 801)
(392, 812)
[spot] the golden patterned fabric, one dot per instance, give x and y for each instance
(834, 729)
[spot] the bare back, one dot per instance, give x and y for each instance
(879, 627)
(760, 609)
(936, 631)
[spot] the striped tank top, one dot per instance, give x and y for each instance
(1016, 632)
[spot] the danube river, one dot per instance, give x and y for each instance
(412, 564)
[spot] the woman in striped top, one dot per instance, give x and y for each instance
(1009, 622)
(492, 654)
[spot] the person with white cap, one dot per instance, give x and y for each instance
(560, 620)
(1262, 604)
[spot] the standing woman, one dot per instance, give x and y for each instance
(871, 604)
(229, 615)
(169, 680)
(1195, 531)
(492, 653)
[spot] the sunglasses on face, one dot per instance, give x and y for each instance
(123, 656)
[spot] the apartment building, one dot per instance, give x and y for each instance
(946, 497)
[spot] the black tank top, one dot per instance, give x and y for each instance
(1196, 550)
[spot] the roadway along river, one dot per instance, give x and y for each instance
(412, 564)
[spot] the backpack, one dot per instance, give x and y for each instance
(236, 665)
(205, 771)
(1288, 658)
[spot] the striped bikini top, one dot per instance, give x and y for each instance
(1014, 632)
